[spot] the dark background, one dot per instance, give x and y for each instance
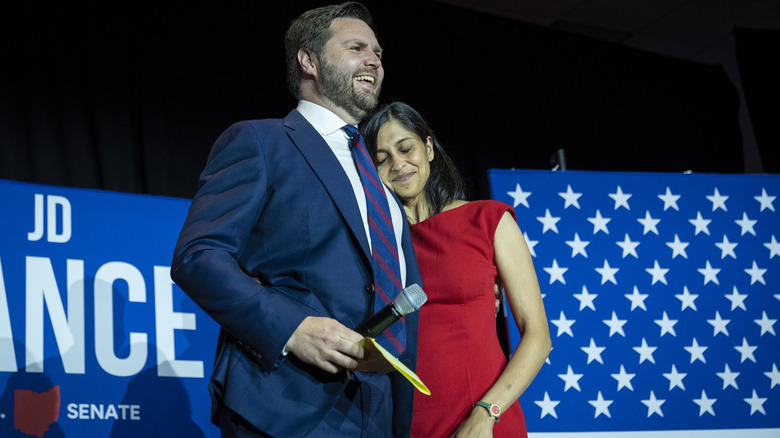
(129, 96)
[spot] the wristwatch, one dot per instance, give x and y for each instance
(493, 410)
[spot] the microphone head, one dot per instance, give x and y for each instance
(410, 299)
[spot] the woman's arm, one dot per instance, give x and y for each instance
(515, 267)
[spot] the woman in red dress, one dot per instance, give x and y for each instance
(461, 247)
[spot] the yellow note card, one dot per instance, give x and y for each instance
(372, 347)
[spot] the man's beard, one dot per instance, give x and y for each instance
(337, 87)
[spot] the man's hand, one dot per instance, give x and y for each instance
(327, 344)
(497, 291)
(373, 361)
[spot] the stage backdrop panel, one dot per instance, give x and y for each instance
(95, 339)
(663, 295)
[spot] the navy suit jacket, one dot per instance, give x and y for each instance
(272, 236)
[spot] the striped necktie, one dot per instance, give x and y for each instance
(387, 283)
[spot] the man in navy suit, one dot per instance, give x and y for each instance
(276, 249)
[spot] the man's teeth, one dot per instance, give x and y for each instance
(365, 78)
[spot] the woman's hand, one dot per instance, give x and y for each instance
(479, 424)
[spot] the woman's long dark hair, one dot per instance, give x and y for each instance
(444, 184)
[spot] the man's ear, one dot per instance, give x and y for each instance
(308, 61)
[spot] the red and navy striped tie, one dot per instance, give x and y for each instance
(386, 268)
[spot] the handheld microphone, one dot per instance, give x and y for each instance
(408, 301)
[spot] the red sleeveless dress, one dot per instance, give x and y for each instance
(459, 355)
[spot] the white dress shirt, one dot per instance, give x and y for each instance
(329, 126)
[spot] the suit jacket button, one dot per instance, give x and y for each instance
(370, 288)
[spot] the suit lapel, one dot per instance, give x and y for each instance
(329, 171)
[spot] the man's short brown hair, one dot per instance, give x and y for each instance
(311, 30)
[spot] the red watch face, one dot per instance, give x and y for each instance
(495, 410)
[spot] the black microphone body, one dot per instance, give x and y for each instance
(409, 300)
(381, 320)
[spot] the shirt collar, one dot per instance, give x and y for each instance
(325, 121)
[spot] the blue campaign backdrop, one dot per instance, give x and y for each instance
(88, 311)
(663, 295)
(662, 291)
